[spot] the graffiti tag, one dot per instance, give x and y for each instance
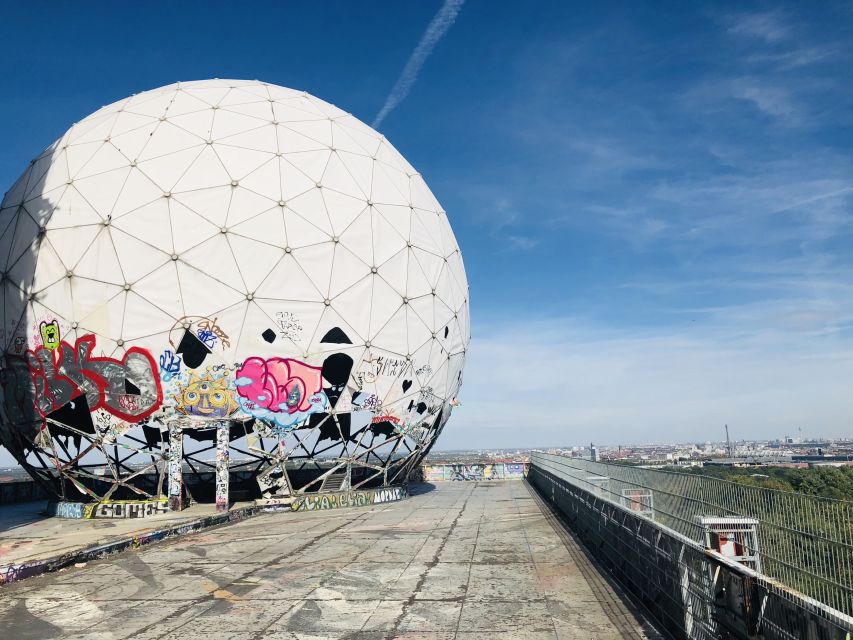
(289, 325)
(128, 509)
(352, 499)
(281, 390)
(128, 388)
(379, 366)
(170, 365)
(209, 332)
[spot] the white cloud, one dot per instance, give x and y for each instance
(541, 383)
(783, 100)
(769, 27)
(797, 57)
(487, 207)
(605, 154)
(436, 29)
(774, 101)
(523, 243)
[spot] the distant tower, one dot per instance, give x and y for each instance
(593, 452)
(728, 443)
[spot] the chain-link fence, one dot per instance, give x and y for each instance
(804, 542)
(692, 592)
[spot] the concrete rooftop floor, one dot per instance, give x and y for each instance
(462, 560)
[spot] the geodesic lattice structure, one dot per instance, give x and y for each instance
(226, 251)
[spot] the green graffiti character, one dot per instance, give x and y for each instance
(50, 334)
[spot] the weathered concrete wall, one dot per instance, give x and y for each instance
(315, 502)
(471, 472)
(109, 509)
(21, 491)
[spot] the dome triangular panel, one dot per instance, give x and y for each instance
(100, 261)
(211, 203)
(266, 227)
(288, 281)
(183, 102)
(224, 268)
(347, 269)
(189, 228)
(102, 190)
(168, 139)
(205, 170)
(255, 260)
(138, 191)
(301, 232)
(150, 224)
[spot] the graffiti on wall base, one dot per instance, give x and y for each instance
(351, 499)
(122, 509)
(115, 509)
(473, 472)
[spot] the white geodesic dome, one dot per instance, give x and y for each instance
(229, 249)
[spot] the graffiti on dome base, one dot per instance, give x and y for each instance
(282, 391)
(352, 499)
(114, 509)
(75, 395)
(51, 379)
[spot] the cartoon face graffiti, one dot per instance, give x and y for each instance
(206, 397)
(49, 334)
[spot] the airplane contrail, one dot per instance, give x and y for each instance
(442, 21)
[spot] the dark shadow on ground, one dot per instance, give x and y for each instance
(632, 603)
(420, 488)
(19, 514)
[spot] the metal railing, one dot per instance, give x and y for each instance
(693, 592)
(806, 542)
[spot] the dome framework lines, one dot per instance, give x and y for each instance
(226, 239)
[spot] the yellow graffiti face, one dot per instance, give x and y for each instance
(206, 397)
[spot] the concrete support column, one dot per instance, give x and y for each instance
(176, 481)
(222, 434)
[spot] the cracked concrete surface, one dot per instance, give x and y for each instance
(462, 560)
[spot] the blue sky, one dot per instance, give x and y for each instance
(652, 199)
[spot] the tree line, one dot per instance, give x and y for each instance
(822, 480)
